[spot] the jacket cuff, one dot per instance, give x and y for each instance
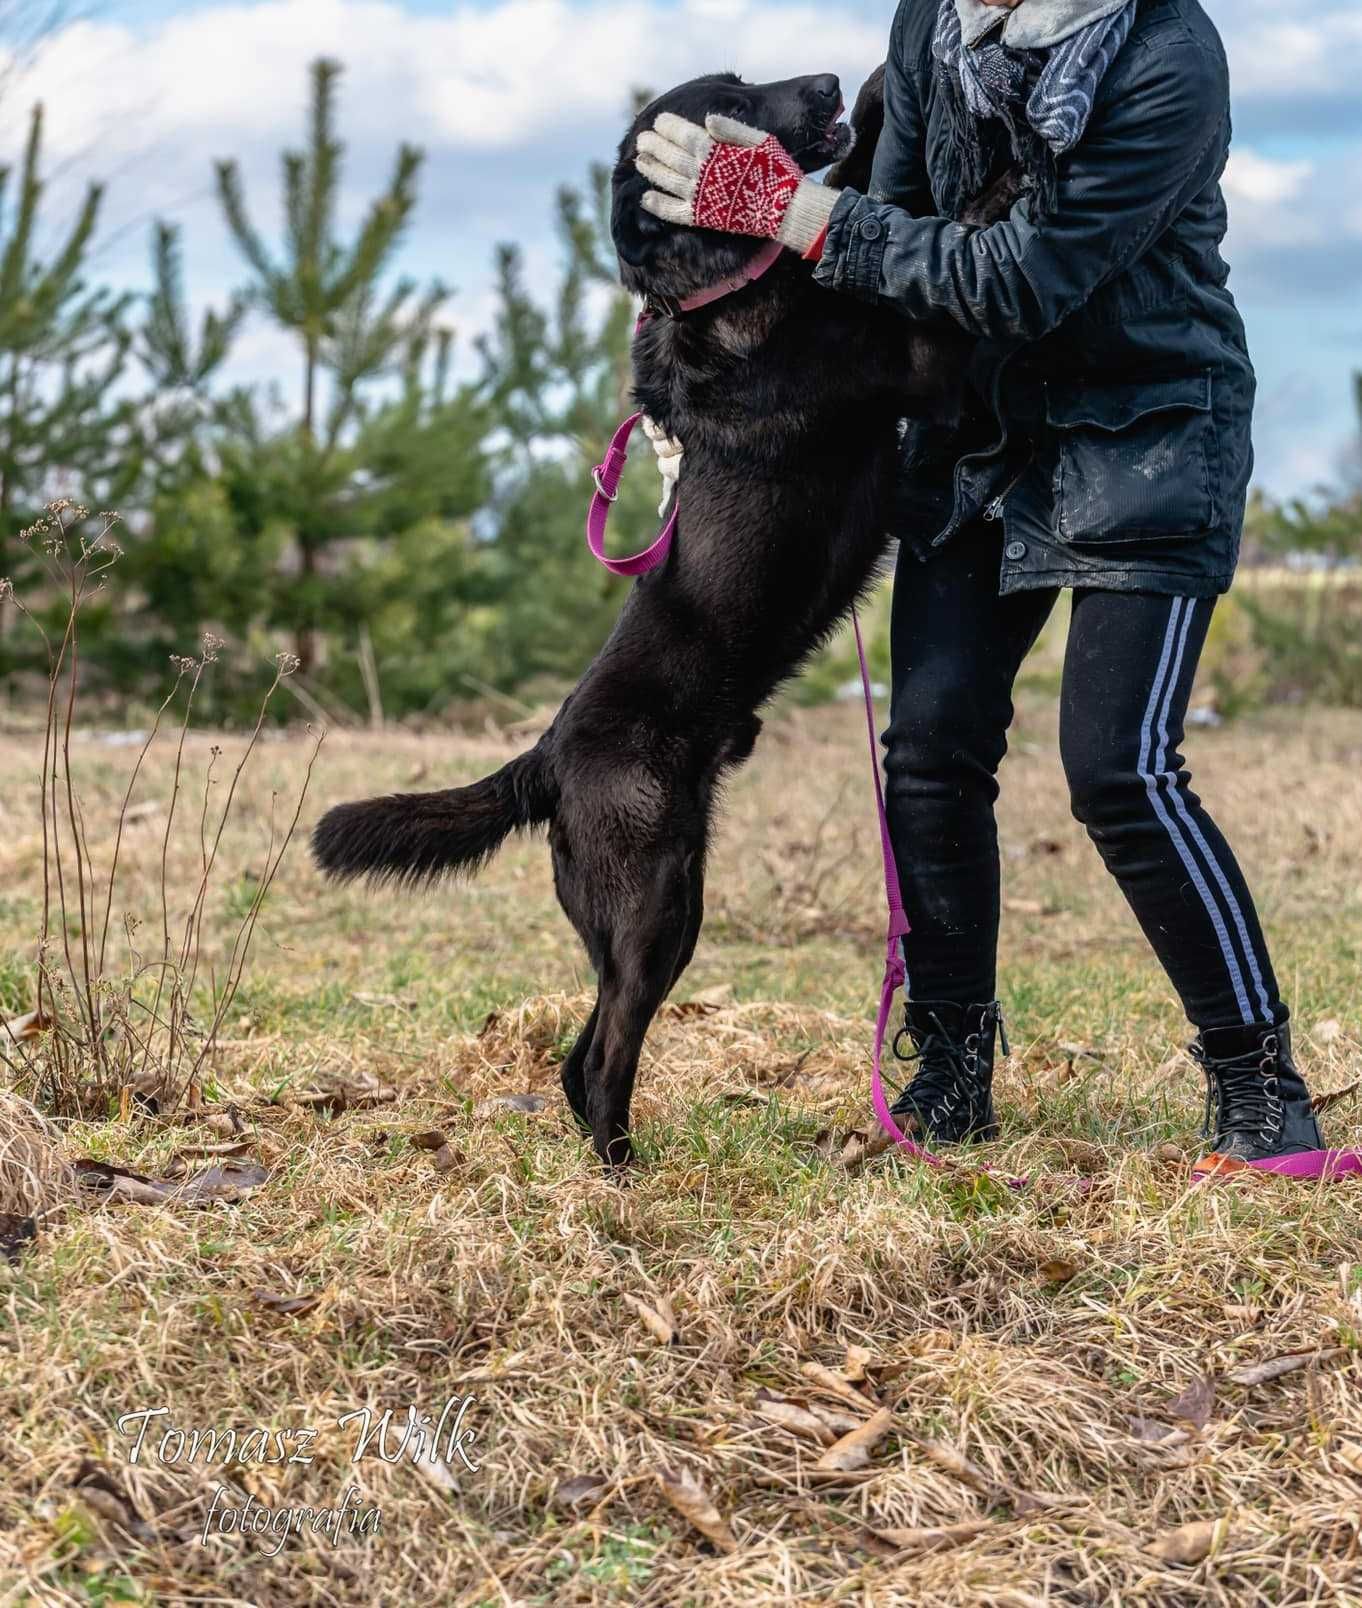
(857, 236)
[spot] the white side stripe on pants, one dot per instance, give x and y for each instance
(1160, 699)
(1180, 805)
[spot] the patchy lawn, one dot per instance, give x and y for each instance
(657, 1383)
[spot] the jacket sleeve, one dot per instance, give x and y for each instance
(899, 173)
(1151, 145)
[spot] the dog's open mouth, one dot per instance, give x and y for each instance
(831, 145)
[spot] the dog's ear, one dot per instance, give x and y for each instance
(635, 231)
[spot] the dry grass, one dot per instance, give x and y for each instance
(1032, 1349)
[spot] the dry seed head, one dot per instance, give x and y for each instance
(287, 663)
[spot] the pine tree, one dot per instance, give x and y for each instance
(329, 295)
(558, 379)
(62, 346)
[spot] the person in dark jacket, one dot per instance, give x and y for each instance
(1108, 454)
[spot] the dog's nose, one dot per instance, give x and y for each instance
(827, 87)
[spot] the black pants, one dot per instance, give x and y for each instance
(1128, 670)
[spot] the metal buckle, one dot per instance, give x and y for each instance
(609, 496)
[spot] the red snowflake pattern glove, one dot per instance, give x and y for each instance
(734, 178)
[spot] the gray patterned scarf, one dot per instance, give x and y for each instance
(1029, 75)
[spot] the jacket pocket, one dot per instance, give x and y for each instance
(1133, 462)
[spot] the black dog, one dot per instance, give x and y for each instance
(786, 398)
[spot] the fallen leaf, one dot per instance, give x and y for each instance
(1249, 1316)
(853, 1450)
(1057, 1271)
(1259, 1373)
(228, 1181)
(16, 1235)
(509, 1102)
(1322, 1102)
(1349, 1453)
(431, 1139)
(835, 1385)
(106, 1497)
(287, 1306)
(690, 1499)
(1327, 1031)
(861, 1147)
(1029, 907)
(1082, 1153)
(1154, 1432)
(1195, 1402)
(226, 1122)
(582, 1490)
(28, 1026)
(659, 1320)
(345, 1094)
(445, 1159)
(892, 1543)
(970, 1473)
(181, 1161)
(143, 811)
(858, 1360)
(1190, 1543)
(796, 1416)
(839, 1422)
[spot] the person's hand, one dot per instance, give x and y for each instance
(734, 178)
(668, 451)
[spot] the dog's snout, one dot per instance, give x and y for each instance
(827, 87)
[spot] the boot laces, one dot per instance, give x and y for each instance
(1243, 1094)
(947, 1074)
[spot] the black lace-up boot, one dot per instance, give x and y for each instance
(1257, 1104)
(950, 1097)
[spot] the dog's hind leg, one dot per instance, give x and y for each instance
(571, 1072)
(649, 945)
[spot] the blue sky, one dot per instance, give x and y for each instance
(512, 97)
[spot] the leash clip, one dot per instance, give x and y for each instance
(610, 496)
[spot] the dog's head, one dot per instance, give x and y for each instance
(670, 260)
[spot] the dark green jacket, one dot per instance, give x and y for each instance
(1112, 434)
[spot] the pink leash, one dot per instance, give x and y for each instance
(606, 476)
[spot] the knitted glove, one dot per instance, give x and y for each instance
(734, 178)
(668, 450)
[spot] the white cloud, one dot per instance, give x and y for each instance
(1258, 181)
(1279, 48)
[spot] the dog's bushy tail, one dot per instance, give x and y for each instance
(416, 837)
